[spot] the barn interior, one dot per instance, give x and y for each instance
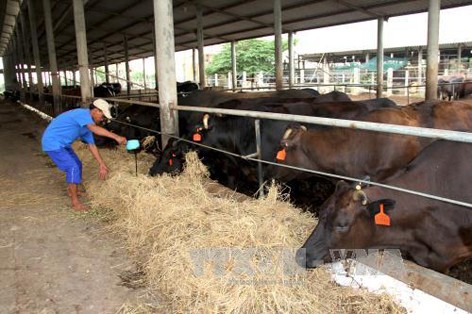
(148, 214)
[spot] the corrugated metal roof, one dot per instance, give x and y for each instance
(108, 21)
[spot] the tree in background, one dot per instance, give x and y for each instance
(252, 56)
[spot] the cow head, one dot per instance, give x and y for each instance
(347, 221)
(291, 138)
(172, 159)
(291, 153)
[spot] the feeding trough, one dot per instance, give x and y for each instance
(133, 146)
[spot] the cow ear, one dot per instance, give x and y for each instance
(340, 185)
(373, 208)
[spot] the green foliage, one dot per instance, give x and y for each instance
(252, 56)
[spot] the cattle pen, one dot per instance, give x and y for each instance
(424, 280)
(291, 186)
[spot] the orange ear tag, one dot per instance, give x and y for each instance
(197, 137)
(281, 154)
(171, 162)
(382, 218)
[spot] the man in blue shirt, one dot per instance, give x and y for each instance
(68, 127)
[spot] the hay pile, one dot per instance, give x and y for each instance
(186, 238)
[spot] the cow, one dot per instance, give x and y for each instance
(186, 87)
(225, 126)
(143, 116)
(435, 234)
(358, 153)
(236, 135)
(465, 90)
(449, 88)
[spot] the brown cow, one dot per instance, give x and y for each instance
(435, 234)
(358, 153)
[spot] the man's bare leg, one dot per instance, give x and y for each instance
(80, 190)
(76, 204)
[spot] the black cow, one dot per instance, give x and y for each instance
(142, 116)
(237, 135)
(433, 233)
(225, 126)
(186, 87)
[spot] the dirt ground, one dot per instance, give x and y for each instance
(51, 259)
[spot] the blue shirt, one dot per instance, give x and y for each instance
(66, 128)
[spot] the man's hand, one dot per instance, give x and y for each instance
(103, 172)
(121, 139)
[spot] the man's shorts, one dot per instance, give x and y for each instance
(67, 161)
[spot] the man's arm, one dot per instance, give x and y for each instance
(103, 167)
(104, 132)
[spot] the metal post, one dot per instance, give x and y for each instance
(194, 65)
(128, 80)
(380, 56)
(144, 73)
(105, 57)
(82, 54)
(420, 66)
(459, 58)
(154, 44)
(65, 78)
(28, 55)
(164, 24)
(56, 87)
(291, 62)
(233, 65)
(92, 73)
(433, 49)
(201, 56)
(278, 44)
(21, 58)
(260, 175)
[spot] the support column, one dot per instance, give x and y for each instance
(380, 56)
(82, 52)
(27, 54)
(21, 64)
(128, 80)
(92, 74)
(56, 87)
(234, 75)
(433, 49)
(278, 44)
(34, 41)
(144, 73)
(459, 57)
(74, 78)
(164, 24)
(156, 87)
(105, 57)
(420, 66)
(201, 56)
(7, 72)
(291, 62)
(65, 78)
(194, 64)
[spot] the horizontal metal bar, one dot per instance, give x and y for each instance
(253, 155)
(131, 102)
(370, 126)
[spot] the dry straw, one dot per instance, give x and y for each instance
(205, 249)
